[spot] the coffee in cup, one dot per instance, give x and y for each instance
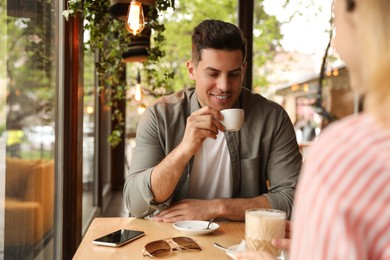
(233, 118)
(263, 225)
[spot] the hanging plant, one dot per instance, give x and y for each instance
(108, 39)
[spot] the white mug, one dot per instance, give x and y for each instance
(233, 118)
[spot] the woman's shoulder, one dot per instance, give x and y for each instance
(354, 125)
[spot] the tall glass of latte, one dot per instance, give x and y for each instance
(263, 225)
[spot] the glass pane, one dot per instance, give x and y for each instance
(27, 128)
(89, 180)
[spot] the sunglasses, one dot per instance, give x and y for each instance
(160, 248)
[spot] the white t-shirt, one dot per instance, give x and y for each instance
(211, 175)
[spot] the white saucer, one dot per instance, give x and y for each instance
(232, 250)
(195, 227)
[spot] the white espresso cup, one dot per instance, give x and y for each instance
(233, 118)
(263, 225)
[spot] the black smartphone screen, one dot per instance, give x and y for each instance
(118, 238)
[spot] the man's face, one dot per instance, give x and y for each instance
(218, 77)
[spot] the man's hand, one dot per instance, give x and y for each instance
(188, 209)
(191, 209)
(201, 124)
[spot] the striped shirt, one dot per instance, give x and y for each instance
(343, 197)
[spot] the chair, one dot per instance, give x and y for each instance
(29, 203)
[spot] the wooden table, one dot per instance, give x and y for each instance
(228, 234)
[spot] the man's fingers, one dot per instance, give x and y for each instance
(207, 110)
(205, 122)
(169, 216)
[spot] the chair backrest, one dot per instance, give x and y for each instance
(17, 171)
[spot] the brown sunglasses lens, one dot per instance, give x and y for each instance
(186, 242)
(160, 248)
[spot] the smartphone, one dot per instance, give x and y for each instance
(118, 238)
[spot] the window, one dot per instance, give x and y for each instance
(27, 129)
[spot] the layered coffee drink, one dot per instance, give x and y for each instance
(263, 225)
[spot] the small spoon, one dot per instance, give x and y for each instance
(208, 225)
(221, 247)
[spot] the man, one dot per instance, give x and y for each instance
(186, 166)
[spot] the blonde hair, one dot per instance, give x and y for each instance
(374, 28)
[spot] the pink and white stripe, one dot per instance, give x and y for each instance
(342, 207)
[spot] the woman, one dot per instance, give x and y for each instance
(343, 197)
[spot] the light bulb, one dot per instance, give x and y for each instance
(138, 89)
(89, 109)
(138, 92)
(135, 18)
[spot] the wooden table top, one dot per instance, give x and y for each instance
(228, 234)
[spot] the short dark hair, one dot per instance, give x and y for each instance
(215, 34)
